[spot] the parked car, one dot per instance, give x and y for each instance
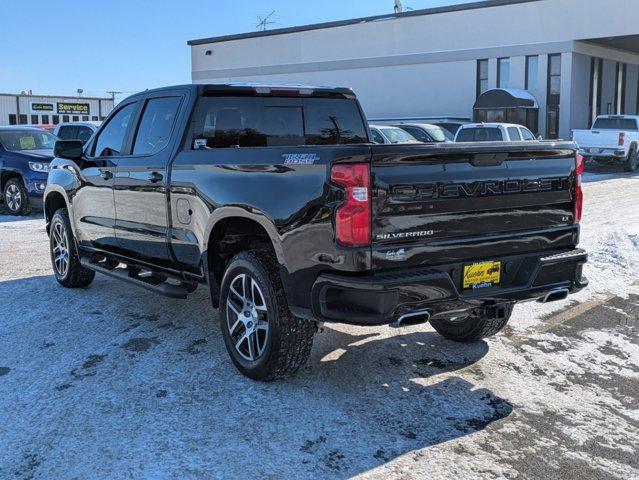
(25, 154)
(612, 138)
(76, 130)
(494, 132)
(425, 132)
(390, 135)
(49, 127)
(292, 217)
(449, 124)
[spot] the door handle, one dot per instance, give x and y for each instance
(155, 177)
(106, 174)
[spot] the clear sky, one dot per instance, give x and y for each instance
(56, 47)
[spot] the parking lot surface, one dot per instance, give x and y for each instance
(116, 382)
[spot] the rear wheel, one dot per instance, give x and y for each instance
(15, 197)
(264, 340)
(471, 328)
(630, 165)
(64, 256)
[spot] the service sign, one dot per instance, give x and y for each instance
(41, 107)
(65, 108)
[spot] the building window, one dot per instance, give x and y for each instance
(65, 118)
(596, 69)
(482, 76)
(85, 118)
(532, 71)
(620, 89)
(503, 72)
(76, 118)
(23, 119)
(553, 97)
(13, 119)
(55, 119)
(94, 118)
(34, 120)
(45, 119)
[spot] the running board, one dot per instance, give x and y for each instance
(153, 282)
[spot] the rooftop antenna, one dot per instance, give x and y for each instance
(399, 7)
(264, 21)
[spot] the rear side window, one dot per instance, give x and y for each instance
(377, 137)
(225, 122)
(111, 139)
(513, 134)
(67, 132)
(480, 134)
(156, 125)
(418, 133)
(627, 124)
(527, 134)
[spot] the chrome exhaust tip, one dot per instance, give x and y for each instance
(412, 318)
(555, 295)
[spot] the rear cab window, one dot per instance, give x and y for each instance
(237, 122)
(612, 123)
(480, 134)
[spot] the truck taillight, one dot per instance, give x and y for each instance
(622, 138)
(579, 194)
(353, 217)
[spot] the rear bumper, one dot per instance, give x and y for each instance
(382, 298)
(603, 152)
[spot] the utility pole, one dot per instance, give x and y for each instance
(113, 93)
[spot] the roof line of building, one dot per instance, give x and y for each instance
(353, 21)
(26, 95)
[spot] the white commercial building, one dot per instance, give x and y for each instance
(577, 58)
(29, 109)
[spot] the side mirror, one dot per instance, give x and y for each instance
(540, 138)
(69, 149)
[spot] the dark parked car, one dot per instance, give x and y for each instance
(25, 154)
(276, 200)
(426, 132)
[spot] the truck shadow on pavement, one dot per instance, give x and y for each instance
(154, 373)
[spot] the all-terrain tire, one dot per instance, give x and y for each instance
(15, 197)
(630, 164)
(289, 340)
(74, 275)
(471, 329)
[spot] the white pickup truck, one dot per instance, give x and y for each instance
(611, 138)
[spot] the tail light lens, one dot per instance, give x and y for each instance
(622, 139)
(579, 194)
(353, 217)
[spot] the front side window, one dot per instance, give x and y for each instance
(67, 132)
(17, 140)
(527, 135)
(111, 139)
(84, 134)
(513, 134)
(156, 125)
(377, 137)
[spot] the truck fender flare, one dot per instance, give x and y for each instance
(257, 216)
(49, 192)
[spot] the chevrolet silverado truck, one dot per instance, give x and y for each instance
(276, 200)
(612, 138)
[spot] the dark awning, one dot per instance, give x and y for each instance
(499, 98)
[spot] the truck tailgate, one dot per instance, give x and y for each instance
(444, 204)
(596, 138)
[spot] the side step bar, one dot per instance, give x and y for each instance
(152, 282)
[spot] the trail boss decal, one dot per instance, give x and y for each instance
(300, 158)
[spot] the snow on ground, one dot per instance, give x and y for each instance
(116, 382)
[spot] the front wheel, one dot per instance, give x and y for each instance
(64, 256)
(15, 197)
(630, 165)
(265, 341)
(471, 328)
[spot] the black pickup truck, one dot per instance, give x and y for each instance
(276, 199)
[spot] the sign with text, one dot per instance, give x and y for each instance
(41, 107)
(65, 108)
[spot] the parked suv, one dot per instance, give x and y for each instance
(25, 154)
(76, 130)
(276, 199)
